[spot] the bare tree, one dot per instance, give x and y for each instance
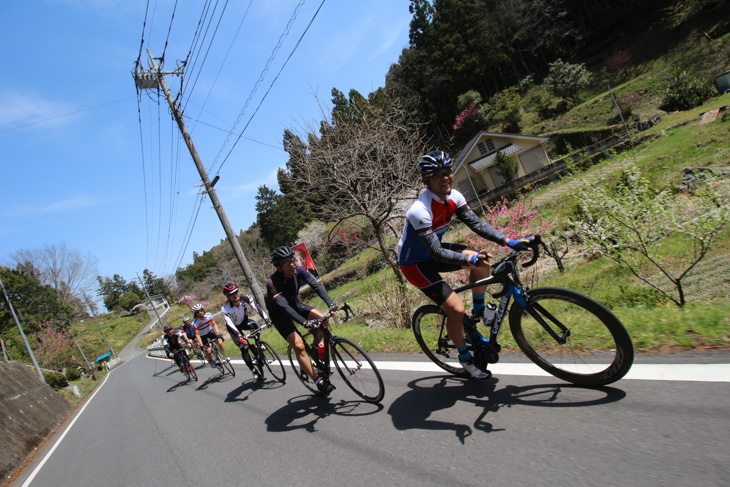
(361, 169)
(63, 268)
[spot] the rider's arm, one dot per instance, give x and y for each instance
(282, 302)
(479, 226)
(430, 240)
(256, 307)
(318, 288)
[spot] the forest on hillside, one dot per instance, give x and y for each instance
(470, 65)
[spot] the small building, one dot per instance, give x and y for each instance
(474, 173)
(722, 82)
(159, 302)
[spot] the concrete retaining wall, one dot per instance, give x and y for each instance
(29, 410)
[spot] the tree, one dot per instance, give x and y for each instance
(277, 218)
(54, 345)
(33, 303)
(365, 165)
(685, 91)
(566, 80)
(60, 267)
(507, 167)
(113, 289)
(154, 285)
(505, 109)
(129, 300)
(628, 224)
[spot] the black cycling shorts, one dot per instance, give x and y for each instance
(426, 275)
(283, 323)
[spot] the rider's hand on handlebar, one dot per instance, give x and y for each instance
(334, 308)
(521, 244)
(309, 324)
(476, 260)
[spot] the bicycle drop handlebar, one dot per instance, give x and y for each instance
(345, 307)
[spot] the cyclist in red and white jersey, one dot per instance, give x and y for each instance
(206, 330)
(422, 255)
(236, 315)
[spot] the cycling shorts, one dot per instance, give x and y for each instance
(210, 336)
(425, 275)
(283, 323)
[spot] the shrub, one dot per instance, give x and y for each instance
(619, 63)
(685, 91)
(628, 103)
(566, 80)
(55, 379)
(73, 374)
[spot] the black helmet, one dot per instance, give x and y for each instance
(280, 254)
(230, 288)
(433, 161)
(166, 327)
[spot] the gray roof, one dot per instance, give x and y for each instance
(487, 160)
(470, 145)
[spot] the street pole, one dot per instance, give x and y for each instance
(620, 115)
(159, 319)
(144, 82)
(22, 334)
(97, 324)
(88, 365)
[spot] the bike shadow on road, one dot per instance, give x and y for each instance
(303, 412)
(428, 395)
(249, 387)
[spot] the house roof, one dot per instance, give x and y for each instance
(487, 160)
(474, 140)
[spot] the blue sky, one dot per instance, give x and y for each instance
(78, 167)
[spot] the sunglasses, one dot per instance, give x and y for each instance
(287, 262)
(441, 173)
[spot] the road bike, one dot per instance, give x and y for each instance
(222, 363)
(565, 333)
(185, 367)
(198, 352)
(264, 355)
(353, 364)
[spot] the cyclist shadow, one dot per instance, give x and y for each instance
(303, 412)
(213, 380)
(430, 394)
(249, 387)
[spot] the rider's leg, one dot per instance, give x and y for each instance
(477, 294)
(295, 340)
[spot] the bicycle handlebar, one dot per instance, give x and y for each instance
(345, 307)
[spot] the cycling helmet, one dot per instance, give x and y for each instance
(186, 320)
(166, 327)
(230, 288)
(433, 161)
(196, 308)
(280, 254)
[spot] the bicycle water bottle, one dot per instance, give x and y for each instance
(489, 311)
(320, 350)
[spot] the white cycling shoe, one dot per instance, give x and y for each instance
(473, 370)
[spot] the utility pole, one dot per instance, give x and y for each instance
(22, 334)
(159, 319)
(88, 365)
(147, 80)
(620, 115)
(97, 324)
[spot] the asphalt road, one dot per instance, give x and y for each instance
(146, 426)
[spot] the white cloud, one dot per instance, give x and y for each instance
(62, 206)
(18, 109)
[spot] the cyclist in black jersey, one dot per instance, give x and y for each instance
(175, 343)
(282, 288)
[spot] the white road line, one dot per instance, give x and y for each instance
(659, 372)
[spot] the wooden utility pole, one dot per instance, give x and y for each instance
(22, 333)
(147, 80)
(154, 308)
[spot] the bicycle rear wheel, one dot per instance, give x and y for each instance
(271, 360)
(596, 350)
(299, 373)
(429, 327)
(357, 370)
(188, 369)
(184, 367)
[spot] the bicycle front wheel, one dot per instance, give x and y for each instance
(357, 370)
(188, 369)
(429, 327)
(591, 346)
(299, 373)
(271, 360)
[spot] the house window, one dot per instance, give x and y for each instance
(482, 149)
(490, 145)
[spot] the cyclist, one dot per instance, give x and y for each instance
(282, 288)
(187, 328)
(206, 330)
(174, 342)
(422, 255)
(235, 314)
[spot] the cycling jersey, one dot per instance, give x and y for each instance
(189, 332)
(236, 317)
(427, 220)
(173, 342)
(203, 326)
(281, 294)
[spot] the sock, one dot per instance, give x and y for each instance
(464, 354)
(477, 303)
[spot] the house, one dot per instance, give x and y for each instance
(474, 173)
(159, 301)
